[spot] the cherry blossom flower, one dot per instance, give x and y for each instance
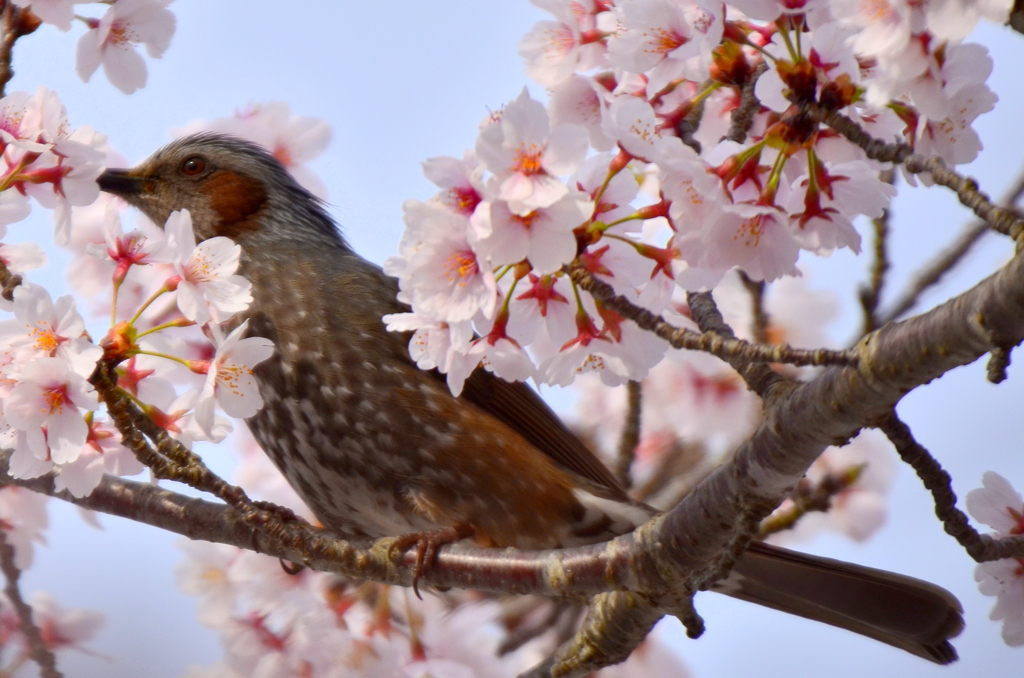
(1000, 507)
(46, 160)
(553, 50)
(49, 394)
(24, 520)
(439, 272)
(633, 123)
(126, 250)
(102, 453)
(580, 100)
(111, 41)
(434, 343)
(203, 572)
(668, 40)
(61, 628)
(42, 328)
(229, 379)
(14, 206)
(461, 181)
(526, 156)
(543, 236)
(60, 13)
(209, 288)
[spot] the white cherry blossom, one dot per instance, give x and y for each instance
(110, 41)
(526, 156)
(229, 379)
(209, 288)
(999, 505)
(49, 394)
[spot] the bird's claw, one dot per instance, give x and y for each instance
(427, 544)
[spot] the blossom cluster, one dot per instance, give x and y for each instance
(51, 415)
(633, 171)
(110, 40)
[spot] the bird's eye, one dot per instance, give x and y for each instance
(193, 166)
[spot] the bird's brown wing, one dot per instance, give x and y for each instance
(519, 406)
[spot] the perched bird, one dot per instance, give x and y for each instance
(377, 447)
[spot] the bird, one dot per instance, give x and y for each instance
(377, 447)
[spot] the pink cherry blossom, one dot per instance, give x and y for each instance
(439, 271)
(24, 520)
(553, 50)
(57, 12)
(434, 343)
(526, 156)
(61, 628)
(461, 181)
(229, 379)
(667, 39)
(580, 100)
(543, 236)
(203, 572)
(126, 250)
(633, 123)
(111, 41)
(49, 394)
(43, 328)
(45, 158)
(209, 288)
(102, 453)
(1000, 507)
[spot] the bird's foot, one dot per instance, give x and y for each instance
(426, 544)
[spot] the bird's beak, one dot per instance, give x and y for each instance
(121, 183)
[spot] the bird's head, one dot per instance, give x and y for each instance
(229, 186)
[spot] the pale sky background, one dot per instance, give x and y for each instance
(403, 81)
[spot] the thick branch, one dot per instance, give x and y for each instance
(673, 550)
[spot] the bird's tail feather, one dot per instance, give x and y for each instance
(901, 611)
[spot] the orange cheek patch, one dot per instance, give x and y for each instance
(236, 199)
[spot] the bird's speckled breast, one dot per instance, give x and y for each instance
(371, 443)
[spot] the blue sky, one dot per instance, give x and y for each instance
(403, 81)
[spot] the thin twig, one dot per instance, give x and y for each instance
(810, 498)
(931, 274)
(937, 481)
(38, 650)
(756, 289)
(743, 116)
(999, 219)
(728, 349)
(758, 375)
(630, 434)
(14, 23)
(871, 294)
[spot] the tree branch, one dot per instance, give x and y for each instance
(937, 481)
(37, 648)
(726, 348)
(950, 257)
(871, 294)
(1002, 220)
(630, 434)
